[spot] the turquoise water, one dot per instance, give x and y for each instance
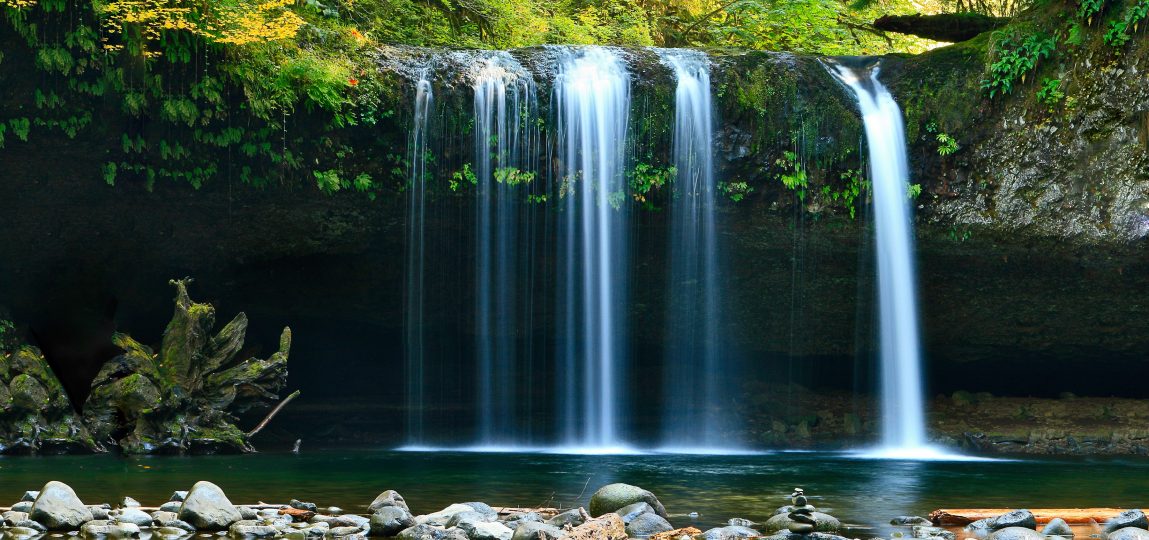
(858, 491)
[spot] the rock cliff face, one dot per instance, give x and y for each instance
(1030, 238)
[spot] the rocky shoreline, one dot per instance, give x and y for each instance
(615, 512)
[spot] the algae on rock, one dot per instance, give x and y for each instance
(184, 399)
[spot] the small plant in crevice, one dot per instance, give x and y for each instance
(1088, 9)
(1122, 30)
(735, 191)
(646, 178)
(1015, 59)
(845, 198)
(1050, 92)
(793, 175)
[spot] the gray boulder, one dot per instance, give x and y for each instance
(611, 497)
(132, 515)
(128, 502)
(102, 528)
(485, 509)
(171, 506)
(300, 505)
(741, 522)
(729, 532)
(486, 530)
(467, 517)
(1057, 527)
(58, 508)
(514, 520)
(631, 511)
(647, 524)
(160, 516)
(247, 512)
(29, 496)
(910, 520)
(10, 517)
(932, 532)
(1015, 518)
(388, 498)
(822, 523)
(178, 496)
(207, 508)
(537, 531)
(422, 532)
(100, 511)
(1129, 533)
(390, 520)
(351, 520)
(252, 529)
(574, 518)
(29, 524)
(178, 524)
(1016, 533)
(441, 517)
(23, 506)
(1128, 518)
(343, 532)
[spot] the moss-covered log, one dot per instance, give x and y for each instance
(951, 27)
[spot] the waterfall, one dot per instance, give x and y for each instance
(592, 98)
(505, 139)
(693, 363)
(414, 321)
(902, 401)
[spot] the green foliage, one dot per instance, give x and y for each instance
(1122, 30)
(646, 178)
(793, 175)
(513, 177)
(21, 127)
(1087, 9)
(1050, 92)
(463, 176)
(947, 144)
(913, 191)
(736, 191)
(331, 182)
(850, 192)
(1015, 59)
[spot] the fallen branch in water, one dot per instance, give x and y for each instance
(272, 414)
(1076, 516)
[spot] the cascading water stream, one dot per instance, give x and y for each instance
(693, 362)
(592, 97)
(504, 138)
(902, 401)
(416, 210)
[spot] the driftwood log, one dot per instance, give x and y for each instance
(950, 27)
(1073, 516)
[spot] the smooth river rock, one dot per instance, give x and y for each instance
(730, 532)
(1015, 518)
(612, 497)
(207, 508)
(441, 517)
(823, 523)
(533, 530)
(58, 508)
(390, 520)
(574, 518)
(1016, 533)
(1057, 527)
(388, 498)
(647, 524)
(1129, 533)
(1128, 518)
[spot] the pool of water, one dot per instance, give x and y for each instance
(863, 492)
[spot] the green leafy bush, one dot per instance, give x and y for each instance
(1015, 59)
